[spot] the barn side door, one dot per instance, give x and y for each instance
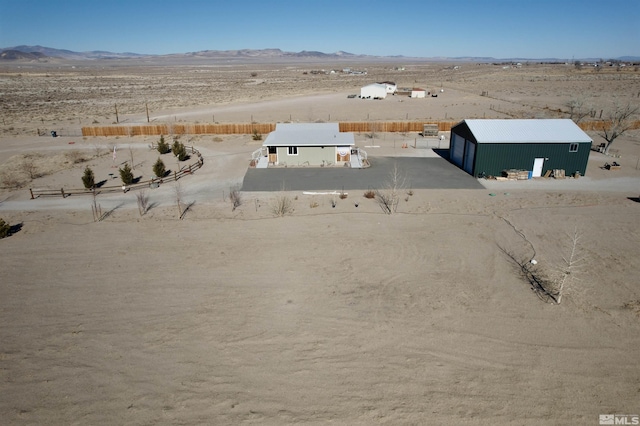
(469, 157)
(537, 167)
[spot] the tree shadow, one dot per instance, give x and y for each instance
(14, 229)
(152, 205)
(101, 183)
(110, 212)
(634, 199)
(136, 180)
(186, 209)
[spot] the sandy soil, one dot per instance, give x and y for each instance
(344, 315)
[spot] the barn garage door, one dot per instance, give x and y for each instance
(469, 155)
(457, 150)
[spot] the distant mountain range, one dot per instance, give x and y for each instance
(41, 54)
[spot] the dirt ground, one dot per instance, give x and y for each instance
(327, 314)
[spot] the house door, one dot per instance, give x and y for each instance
(537, 167)
(342, 153)
(273, 154)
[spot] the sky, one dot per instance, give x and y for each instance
(564, 29)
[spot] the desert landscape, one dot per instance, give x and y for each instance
(215, 305)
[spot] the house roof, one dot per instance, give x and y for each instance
(377, 85)
(527, 131)
(308, 134)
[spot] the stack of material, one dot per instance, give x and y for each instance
(558, 174)
(513, 174)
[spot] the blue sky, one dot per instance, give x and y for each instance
(563, 29)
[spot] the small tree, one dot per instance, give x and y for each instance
(159, 169)
(619, 121)
(256, 135)
(88, 179)
(163, 146)
(179, 150)
(5, 228)
(126, 175)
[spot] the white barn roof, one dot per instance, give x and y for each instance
(527, 131)
(308, 134)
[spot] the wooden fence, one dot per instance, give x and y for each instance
(264, 128)
(179, 129)
(393, 126)
(153, 183)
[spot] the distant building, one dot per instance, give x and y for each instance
(390, 86)
(489, 147)
(374, 91)
(418, 93)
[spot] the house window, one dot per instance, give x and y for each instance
(573, 147)
(292, 150)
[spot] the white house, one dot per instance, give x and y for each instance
(374, 91)
(418, 93)
(308, 144)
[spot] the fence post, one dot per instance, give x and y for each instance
(31, 192)
(62, 192)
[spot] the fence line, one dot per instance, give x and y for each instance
(249, 128)
(262, 128)
(153, 183)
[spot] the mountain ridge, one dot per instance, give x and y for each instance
(41, 53)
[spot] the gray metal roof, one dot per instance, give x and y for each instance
(308, 134)
(527, 131)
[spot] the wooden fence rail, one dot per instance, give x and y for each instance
(153, 183)
(264, 128)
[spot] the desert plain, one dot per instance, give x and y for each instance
(333, 312)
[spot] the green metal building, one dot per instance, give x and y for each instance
(488, 147)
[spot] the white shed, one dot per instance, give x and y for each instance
(373, 91)
(418, 93)
(391, 86)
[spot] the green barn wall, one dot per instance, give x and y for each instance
(492, 159)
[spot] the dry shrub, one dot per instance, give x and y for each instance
(313, 204)
(282, 205)
(75, 157)
(10, 178)
(370, 194)
(235, 197)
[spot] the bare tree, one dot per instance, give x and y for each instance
(96, 209)
(143, 202)
(550, 282)
(571, 262)
(618, 122)
(389, 197)
(178, 194)
(133, 166)
(577, 109)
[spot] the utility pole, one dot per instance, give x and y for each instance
(117, 120)
(147, 106)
